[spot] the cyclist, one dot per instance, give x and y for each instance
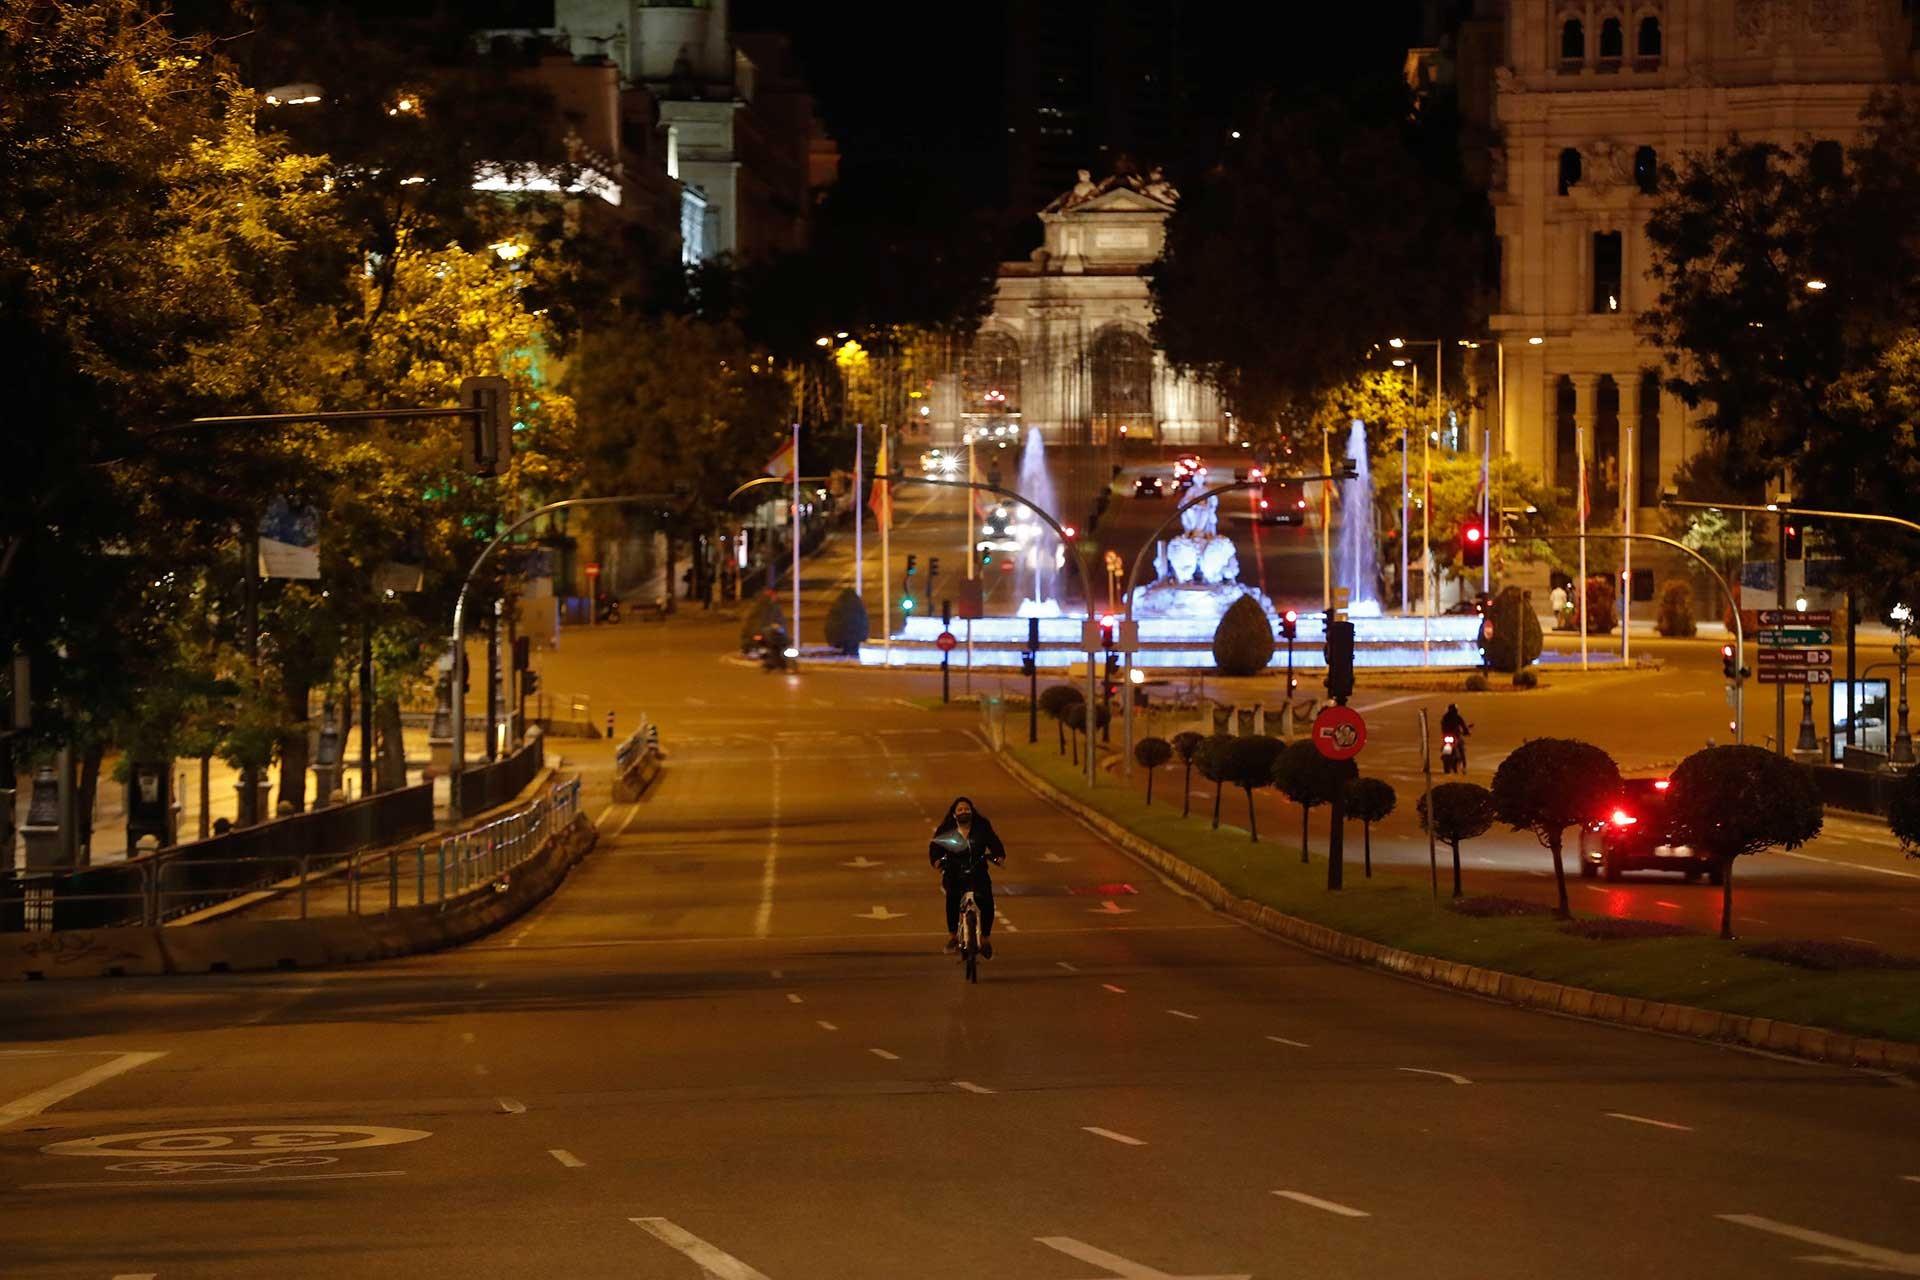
(961, 847)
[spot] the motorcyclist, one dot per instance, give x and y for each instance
(1454, 725)
(773, 647)
(961, 847)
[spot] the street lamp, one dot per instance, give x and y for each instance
(1902, 617)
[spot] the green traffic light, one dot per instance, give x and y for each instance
(906, 604)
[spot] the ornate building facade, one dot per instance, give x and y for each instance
(1589, 99)
(1067, 347)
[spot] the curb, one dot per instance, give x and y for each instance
(1704, 1024)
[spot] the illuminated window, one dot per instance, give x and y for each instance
(1607, 262)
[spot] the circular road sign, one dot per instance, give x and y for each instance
(1339, 733)
(946, 641)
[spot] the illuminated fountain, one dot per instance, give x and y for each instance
(1357, 554)
(1040, 551)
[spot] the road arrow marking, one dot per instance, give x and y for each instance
(1116, 1265)
(717, 1264)
(1445, 1075)
(1847, 1253)
(880, 913)
(862, 862)
(1110, 908)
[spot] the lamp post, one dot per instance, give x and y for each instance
(1426, 491)
(1902, 753)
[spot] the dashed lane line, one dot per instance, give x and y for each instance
(1647, 1120)
(567, 1158)
(824, 1025)
(1298, 1044)
(1068, 967)
(717, 1263)
(32, 1104)
(763, 919)
(971, 1087)
(1119, 991)
(793, 997)
(1182, 1013)
(1111, 1136)
(512, 1106)
(1326, 1206)
(884, 1056)
(1444, 1075)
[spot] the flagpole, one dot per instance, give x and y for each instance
(1580, 453)
(796, 534)
(881, 463)
(1626, 548)
(859, 516)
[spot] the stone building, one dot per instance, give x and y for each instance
(1589, 98)
(1067, 346)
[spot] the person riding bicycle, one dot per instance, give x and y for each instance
(1453, 724)
(962, 846)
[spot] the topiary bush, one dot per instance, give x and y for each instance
(1514, 625)
(1476, 683)
(1243, 642)
(1460, 811)
(847, 627)
(1738, 800)
(1185, 745)
(1369, 800)
(1903, 815)
(1600, 616)
(1151, 753)
(1054, 701)
(1526, 680)
(1675, 617)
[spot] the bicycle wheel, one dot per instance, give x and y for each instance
(973, 967)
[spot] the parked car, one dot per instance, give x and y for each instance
(1149, 487)
(1635, 836)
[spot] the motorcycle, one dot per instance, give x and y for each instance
(1449, 754)
(609, 609)
(773, 650)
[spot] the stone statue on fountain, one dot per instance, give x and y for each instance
(1197, 574)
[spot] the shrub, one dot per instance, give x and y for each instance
(1512, 621)
(1243, 642)
(1600, 617)
(847, 627)
(1460, 811)
(1903, 814)
(1491, 906)
(1151, 753)
(1369, 800)
(1737, 800)
(1310, 779)
(1054, 701)
(1549, 784)
(1526, 680)
(1676, 609)
(1826, 955)
(1213, 758)
(1476, 683)
(1185, 745)
(1249, 766)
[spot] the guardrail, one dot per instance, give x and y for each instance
(489, 786)
(430, 872)
(636, 762)
(1857, 790)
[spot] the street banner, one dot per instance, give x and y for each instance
(289, 541)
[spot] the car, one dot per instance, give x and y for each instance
(1466, 608)
(1280, 504)
(1635, 836)
(1187, 464)
(940, 464)
(1149, 487)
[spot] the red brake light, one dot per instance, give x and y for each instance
(1263, 504)
(1621, 818)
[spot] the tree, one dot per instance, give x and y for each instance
(1512, 625)
(1549, 784)
(1903, 814)
(1243, 641)
(1185, 744)
(1309, 779)
(1461, 811)
(847, 627)
(1078, 720)
(1055, 699)
(1370, 800)
(1676, 608)
(1151, 753)
(1737, 800)
(1213, 757)
(1249, 766)
(1362, 191)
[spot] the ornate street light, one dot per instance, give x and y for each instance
(1902, 617)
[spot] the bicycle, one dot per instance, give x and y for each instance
(970, 937)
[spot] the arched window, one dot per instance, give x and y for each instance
(1122, 384)
(1646, 170)
(1569, 169)
(1613, 43)
(1647, 47)
(990, 375)
(1573, 43)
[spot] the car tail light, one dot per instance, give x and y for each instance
(1302, 504)
(1621, 818)
(1661, 785)
(1263, 504)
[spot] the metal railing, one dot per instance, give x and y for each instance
(305, 885)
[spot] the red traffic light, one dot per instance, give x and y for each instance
(1291, 616)
(1726, 651)
(1473, 533)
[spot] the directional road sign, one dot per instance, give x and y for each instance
(1787, 637)
(1787, 675)
(1796, 617)
(1796, 657)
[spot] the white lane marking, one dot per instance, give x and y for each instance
(1445, 1075)
(480, 986)
(1662, 902)
(1110, 908)
(1658, 1124)
(481, 1069)
(633, 811)
(1846, 1253)
(1315, 1202)
(824, 1025)
(793, 997)
(1119, 991)
(34, 1103)
(1298, 1044)
(883, 1054)
(880, 913)
(1910, 1177)
(135, 1275)
(1590, 888)
(151, 1185)
(763, 919)
(567, 1158)
(1181, 1013)
(861, 862)
(718, 1264)
(1848, 937)
(779, 974)
(1069, 968)
(1851, 866)
(1122, 1268)
(466, 1037)
(1005, 921)
(1111, 1136)
(512, 1106)
(971, 1087)
(1051, 856)
(601, 821)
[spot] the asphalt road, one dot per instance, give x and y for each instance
(731, 1047)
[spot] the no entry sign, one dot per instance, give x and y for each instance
(946, 641)
(1339, 733)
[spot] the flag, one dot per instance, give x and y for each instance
(781, 464)
(880, 501)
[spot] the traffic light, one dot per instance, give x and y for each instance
(986, 557)
(1339, 660)
(1792, 540)
(529, 683)
(1289, 625)
(933, 570)
(913, 564)
(1729, 662)
(1473, 544)
(1027, 664)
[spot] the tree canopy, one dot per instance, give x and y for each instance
(1736, 800)
(1546, 785)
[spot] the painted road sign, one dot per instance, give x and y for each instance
(1796, 618)
(1339, 733)
(1796, 657)
(1787, 637)
(1790, 675)
(946, 641)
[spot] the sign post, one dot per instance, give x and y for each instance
(947, 642)
(1786, 658)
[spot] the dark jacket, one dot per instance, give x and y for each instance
(966, 855)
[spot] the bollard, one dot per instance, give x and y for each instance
(609, 726)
